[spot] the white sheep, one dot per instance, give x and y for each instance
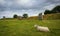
(41, 28)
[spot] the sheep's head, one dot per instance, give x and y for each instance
(35, 25)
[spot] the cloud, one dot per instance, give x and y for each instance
(22, 4)
(26, 4)
(50, 7)
(32, 7)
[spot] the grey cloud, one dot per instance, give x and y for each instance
(39, 4)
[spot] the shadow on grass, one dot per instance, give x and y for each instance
(54, 32)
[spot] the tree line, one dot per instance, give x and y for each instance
(54, 10)
(24, 16)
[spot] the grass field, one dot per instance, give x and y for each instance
(26, 27)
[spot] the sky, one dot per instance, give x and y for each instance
(32, 7)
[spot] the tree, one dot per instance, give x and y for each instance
(56, 9)
(15, 16)
(47, 12)
(25, 15)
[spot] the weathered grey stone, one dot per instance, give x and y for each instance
(41, 16)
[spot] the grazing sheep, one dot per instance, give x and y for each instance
(41, 28)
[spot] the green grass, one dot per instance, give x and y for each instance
(26, 27)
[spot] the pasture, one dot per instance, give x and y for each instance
(25, 27)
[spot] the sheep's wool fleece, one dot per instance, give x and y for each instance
(42, 28)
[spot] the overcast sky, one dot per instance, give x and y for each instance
(32, 7)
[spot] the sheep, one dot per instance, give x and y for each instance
(41, 28)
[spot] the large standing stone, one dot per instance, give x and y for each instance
(4, 17)
(41, 16)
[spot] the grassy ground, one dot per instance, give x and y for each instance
(52, 16)
(25, 27)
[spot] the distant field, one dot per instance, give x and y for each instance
(25, 27)
(54, 16)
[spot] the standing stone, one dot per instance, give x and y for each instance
(20, 17)
(4, 17)
(41, 16)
